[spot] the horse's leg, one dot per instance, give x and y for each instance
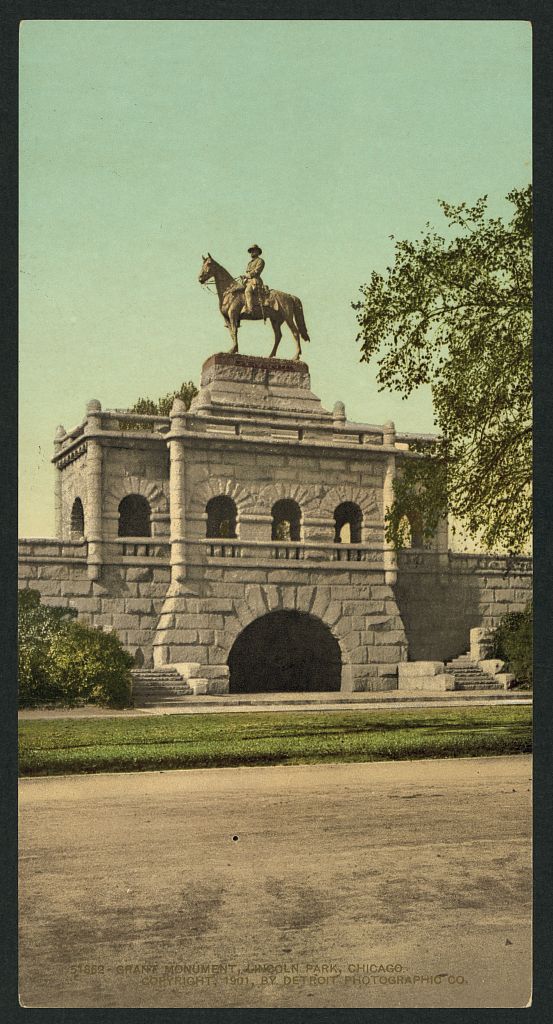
(289, 317)
(298, 346)
(277, 329)
(234, 324)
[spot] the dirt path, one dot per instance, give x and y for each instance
(383, 884)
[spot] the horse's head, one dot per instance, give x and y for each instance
(207, 269)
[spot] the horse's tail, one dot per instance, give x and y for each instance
(298, 317)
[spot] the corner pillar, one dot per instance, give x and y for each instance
(177, 491)
(390, 557)
(58, 508)
(94, 458)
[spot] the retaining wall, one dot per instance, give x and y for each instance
(442, 597)
(426, 616)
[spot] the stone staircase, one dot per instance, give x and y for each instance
(469, 675)
(152, 686)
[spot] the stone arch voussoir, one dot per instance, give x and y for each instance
(308, 498)
(364, 497)
(218, 487)
(149, 489)
(261, 599)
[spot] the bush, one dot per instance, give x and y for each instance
(38, 625)
(513, 644)
(64, 660)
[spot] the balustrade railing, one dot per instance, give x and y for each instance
(139, 547)
(462, 561)
(290, 551)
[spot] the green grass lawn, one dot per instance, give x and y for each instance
(62, 746)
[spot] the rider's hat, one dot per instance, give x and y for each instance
(255, 249)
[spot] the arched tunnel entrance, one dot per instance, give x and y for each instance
(285, 651)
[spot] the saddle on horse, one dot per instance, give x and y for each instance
(263, 297)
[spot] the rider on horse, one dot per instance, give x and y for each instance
(253, 283)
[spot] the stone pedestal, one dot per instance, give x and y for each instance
(252, 385)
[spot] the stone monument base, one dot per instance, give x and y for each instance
(253, 385)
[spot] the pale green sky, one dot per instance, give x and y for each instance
(146, 143)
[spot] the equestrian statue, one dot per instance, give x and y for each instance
(248, 298)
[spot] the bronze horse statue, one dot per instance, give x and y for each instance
(278, 307)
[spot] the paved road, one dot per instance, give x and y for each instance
(383, 884)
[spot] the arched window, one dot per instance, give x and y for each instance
(77, 519)
(417, 531)
(221, 517)
(286, 520)
(348, 519)
(411, 531)
(134, 517)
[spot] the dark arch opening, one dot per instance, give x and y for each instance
(286, 520)
(411, 526)
(221, 517)
(134, 517)
(77, 519)
(348, 518)
(285, 651)
(417, 530)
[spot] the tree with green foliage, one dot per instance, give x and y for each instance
(455, 312)
(162, 406)
(61, 659)
(38, 627)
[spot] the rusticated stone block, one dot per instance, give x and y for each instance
(77, 588)
(353, 607)
(321, 602)
(27, 571)
(49, 572)
(386, 654)
(147, 621)
(342, 626)
(415, 669)
(211, 671)
(55, 601)
(216, 655)
(182, 652)
(389, 636)
(47, 588)
(218, 686)
(138, 606)
(122, 621)
(154, 590)
(378, 623)
(139, 575)
(333, 613)
(86, 605)
(138, 637)
(359, 655)
(384, 681)
(274, 597)
(161, 575)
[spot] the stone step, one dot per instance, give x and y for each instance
(176, 703)
(147, 673)
(468, 671)
(477, 686)
(469, 676)
(153, 686)
(153, 679)
(160, 678)
(168, 691)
